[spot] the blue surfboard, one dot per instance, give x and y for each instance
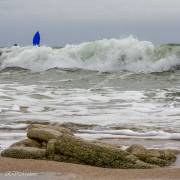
(36, 39)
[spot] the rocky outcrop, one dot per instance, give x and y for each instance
(54, 127)
(25, 153)
(59, 144)
(153, 156)
(95, 155)
(43, 134)
(27, 143)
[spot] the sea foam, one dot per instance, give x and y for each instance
(127, 133)
(107, 55)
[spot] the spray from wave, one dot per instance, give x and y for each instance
(111, 55)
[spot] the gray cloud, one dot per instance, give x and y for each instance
(80, 20)
(91, 10)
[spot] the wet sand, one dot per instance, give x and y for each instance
(41, 169)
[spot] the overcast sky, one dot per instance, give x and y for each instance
(75, 21)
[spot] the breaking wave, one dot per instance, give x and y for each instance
(108, 55)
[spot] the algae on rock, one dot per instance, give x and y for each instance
(24, 153)
(59, 144)
(153, 156)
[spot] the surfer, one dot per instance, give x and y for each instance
(36, 39)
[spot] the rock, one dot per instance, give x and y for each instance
(27, 143)
(153, 156)
(62, 158)
(175, 151)
(24, 153)
(44, 144)
(51, 154)
(43, 134)
(55, 127)
(59, 144)
(103, 144)
(157, 161)
(137, 150)
(165, 155)
(153, 153)
(139, 164)
(168, 154)
(95, 155)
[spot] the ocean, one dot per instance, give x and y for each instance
(123, 90)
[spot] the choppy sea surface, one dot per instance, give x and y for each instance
(128, 89)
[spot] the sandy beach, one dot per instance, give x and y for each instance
(40, 169)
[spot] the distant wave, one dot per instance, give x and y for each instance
(127, 133)
(107, 55)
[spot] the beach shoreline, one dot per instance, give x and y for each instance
(44, 169)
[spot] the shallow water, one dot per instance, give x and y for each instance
(120, 103)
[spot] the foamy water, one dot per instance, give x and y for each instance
(111, 55)
(125, 87)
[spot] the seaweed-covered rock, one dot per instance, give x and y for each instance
(137, 150)
(24, 153)
(153, 156)
(54, 127)
(59, 144)
(93, 154)
(103, 144)
(158, 161)
(43, 134)
(27, 143)
(168, 155)
(50, 152)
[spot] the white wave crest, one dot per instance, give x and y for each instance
(111, 55)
